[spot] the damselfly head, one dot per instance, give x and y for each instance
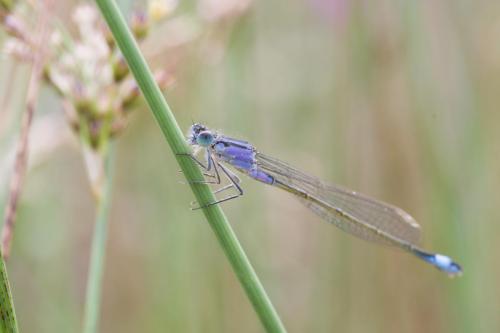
(200, 135)
(194, 130)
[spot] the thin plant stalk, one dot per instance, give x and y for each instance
(21, 160)
(8, 321)
(98, 251)
(175, 138)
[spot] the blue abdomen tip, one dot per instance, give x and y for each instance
(442, 262)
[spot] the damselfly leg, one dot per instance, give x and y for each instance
(234, 183)
(206, 169)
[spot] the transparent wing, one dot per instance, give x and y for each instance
(352, 212)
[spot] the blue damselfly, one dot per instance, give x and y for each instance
(351, 211)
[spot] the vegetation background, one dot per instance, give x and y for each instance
(396, 99)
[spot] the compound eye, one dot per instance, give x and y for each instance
(205, 138)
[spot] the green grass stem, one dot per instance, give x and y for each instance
(8, 321)
(98, 250)
(175, 138)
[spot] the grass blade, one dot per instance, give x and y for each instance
(98, 251)
(8, 322)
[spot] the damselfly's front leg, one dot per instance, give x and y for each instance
(206, 169)
(234, 182)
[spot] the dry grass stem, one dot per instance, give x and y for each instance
(27, 118)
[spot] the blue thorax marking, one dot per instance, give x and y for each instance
(234, 142)
(241, 155)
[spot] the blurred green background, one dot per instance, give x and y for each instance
(396, 99)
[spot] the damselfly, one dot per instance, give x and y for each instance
(352, 212)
